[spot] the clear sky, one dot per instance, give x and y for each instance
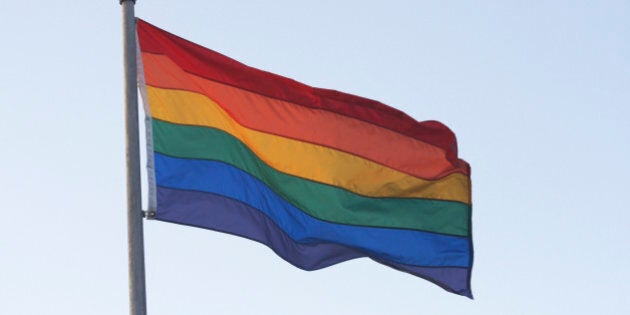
(538, 93)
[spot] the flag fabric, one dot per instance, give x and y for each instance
(317, 175)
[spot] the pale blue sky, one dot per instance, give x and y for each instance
(538, 93)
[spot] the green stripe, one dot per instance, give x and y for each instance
(322, 201)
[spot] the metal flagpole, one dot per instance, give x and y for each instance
(135, 239)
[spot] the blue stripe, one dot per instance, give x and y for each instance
(402, 246)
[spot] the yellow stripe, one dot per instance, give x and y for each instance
(310, 161)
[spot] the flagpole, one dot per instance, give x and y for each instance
(135, 240)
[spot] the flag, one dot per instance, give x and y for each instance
(317, 175)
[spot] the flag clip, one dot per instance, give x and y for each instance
(148, 214)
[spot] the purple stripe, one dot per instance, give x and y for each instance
(452, 279)
(223, 214)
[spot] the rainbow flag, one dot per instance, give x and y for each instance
(317, 175)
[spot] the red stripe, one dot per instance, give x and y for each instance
(206, 63)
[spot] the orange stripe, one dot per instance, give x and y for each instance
(325, 128)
